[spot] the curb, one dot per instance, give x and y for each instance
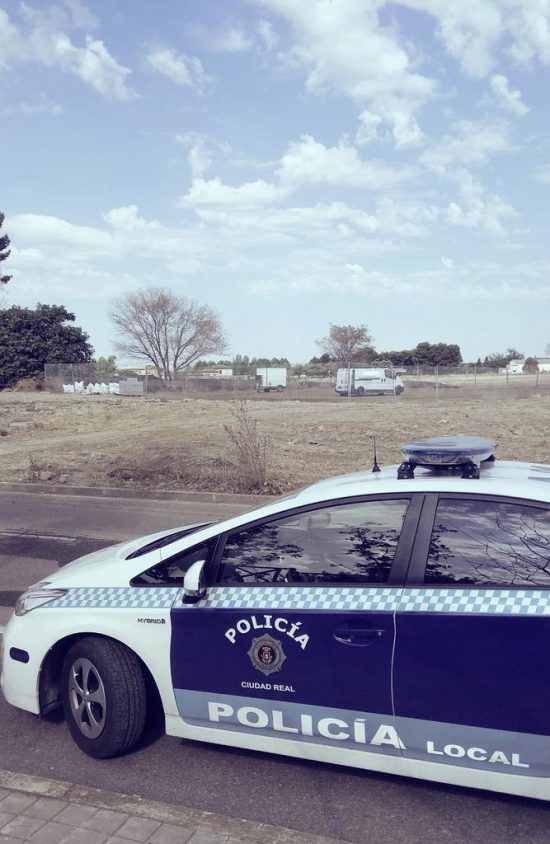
(121, 492)
(205, 822)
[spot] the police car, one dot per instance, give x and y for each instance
(394, 620)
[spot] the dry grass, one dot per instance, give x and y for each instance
(183, 443)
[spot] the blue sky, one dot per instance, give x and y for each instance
(291, 164)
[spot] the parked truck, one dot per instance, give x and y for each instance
(270, 378)
(368, 381)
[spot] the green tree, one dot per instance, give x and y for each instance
(31, 338)
(499, 360)
(154, 324)
(437, 354)
(531, 365)
(347, 342)
(405, 357)
(105, 367)
(4, 250)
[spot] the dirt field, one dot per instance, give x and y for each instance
(181, 443)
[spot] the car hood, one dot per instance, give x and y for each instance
(111, 564)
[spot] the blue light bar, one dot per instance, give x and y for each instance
(448, 451)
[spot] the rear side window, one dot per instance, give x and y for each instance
(489, 543)
(351, 543)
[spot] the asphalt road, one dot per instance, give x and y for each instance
(39, 531)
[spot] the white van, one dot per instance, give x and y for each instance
(375, 381)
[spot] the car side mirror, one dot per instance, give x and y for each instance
(194, 583)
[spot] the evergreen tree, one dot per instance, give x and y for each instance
(31, 338)
(4, 250)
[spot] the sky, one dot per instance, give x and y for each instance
(290, 164)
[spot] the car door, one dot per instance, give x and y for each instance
(471, 678)
(293, 640)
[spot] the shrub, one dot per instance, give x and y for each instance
(251, 449)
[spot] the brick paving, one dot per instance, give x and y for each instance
(40, 811)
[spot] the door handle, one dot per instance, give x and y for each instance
(357, 635)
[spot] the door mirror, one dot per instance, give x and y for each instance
(194, 583)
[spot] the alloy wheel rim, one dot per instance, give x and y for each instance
(88, 698)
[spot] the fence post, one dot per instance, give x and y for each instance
(436, 371)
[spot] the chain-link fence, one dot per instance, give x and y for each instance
(404, 383)
(89, 379)
(469, 381)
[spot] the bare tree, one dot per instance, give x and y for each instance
(346, 342)
(168, 330)
(4, 251)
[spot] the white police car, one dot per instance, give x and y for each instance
(394, 620)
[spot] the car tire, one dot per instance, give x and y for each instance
(360, 391)
(104, 696)
(399, 390)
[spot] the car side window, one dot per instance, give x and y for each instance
(489, 543)
(350, 543)
(170, 572)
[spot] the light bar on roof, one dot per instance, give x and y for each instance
(446, 452)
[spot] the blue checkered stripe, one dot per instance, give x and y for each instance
(301, 598)
(482, 601)
(117, 597)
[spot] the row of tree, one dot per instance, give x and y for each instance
(174, 334)
(348, 344)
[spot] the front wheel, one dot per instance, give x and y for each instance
(104, 696)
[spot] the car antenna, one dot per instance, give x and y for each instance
(375, 466)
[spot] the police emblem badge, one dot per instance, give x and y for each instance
(266, 654)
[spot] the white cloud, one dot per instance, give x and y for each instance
(127, 218)
(472, 31)
(529, 26)
(66, 15)
(267, 34)
(215, 194)
(542, 173)
(199, 160)
(369, 124)
(42, 105)
(308, 161)
(313, 276)
(472, 144)
(447, 262)
(508, 98)
(477, 209)
(182, 70)
(47, 232)
(47, 45)
(95, 66)
(11, 46)
(343, 48)
(224, 39)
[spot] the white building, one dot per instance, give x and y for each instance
(515, 367)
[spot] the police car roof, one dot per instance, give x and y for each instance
(501, 477)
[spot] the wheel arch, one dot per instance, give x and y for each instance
(49, 681)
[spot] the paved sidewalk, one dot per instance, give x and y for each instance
(52, 812)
